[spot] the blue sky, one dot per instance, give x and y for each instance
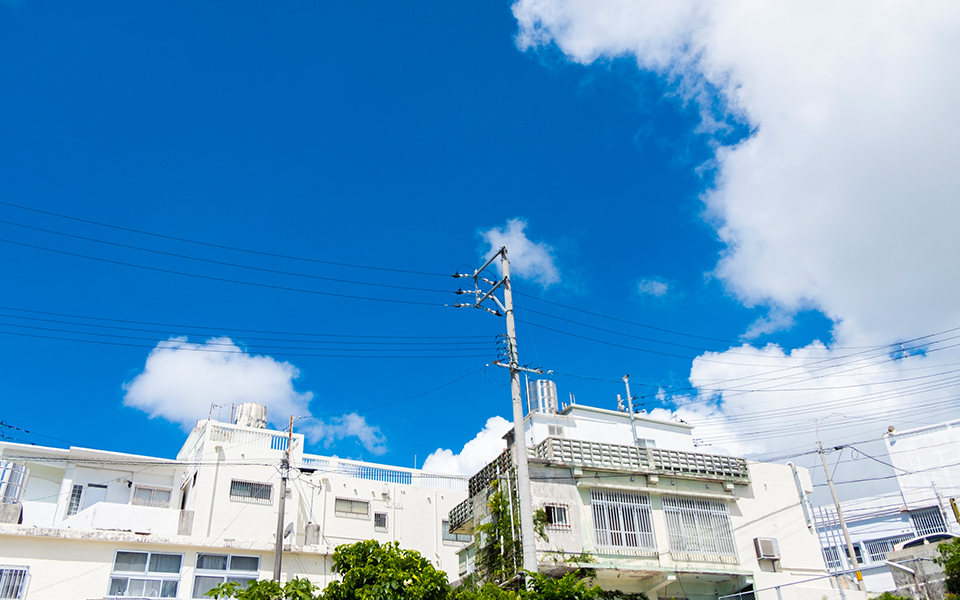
(663, 165)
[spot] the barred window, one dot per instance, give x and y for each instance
(622, 521)
(698, 526)
(927, 521)
(150, 496)
(831, 556)
(75, 494)
(250, 491)
(345, 507)
(145, 575)
(556, 515)
(13, 581)
(877, 549)
(380, 521)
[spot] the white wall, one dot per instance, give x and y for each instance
(591, 424)
(925, 456)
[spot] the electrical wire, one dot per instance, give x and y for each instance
(220, 246)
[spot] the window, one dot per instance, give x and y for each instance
(250, 491)
(214, 569)
(145, 575)
(75, 496)
(877, 549)
(555, 430)
(832, 557)
(622, 521)
(358, 509)
(13, 581)
(148, 496)
(453, 537)
(928, 521)
(556, 515)
(380, 521)
(698, 527)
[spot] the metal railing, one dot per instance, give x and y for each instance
(634, 459)
(13, 479)
(245, 437)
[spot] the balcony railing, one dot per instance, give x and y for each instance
(246, 437)
(461, 515)
(641, 460)
(357, 470)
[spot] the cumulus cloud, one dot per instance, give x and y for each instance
(653, 287)
(842, 199)
(475, 454)
(528, 259)
(180, 381)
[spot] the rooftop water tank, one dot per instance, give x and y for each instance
(251, 414)
(542, 396)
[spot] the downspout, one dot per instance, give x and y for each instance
(804, 501)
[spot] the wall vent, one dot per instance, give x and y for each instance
(556, 430)
(767, 548)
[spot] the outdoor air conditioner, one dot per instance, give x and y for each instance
(767, 548)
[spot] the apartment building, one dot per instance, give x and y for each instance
(81, 523)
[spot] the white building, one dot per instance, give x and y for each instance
(81, 523)
(652, 515)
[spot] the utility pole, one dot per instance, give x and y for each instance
(836, 503)
(633, 428)
(519, 439)
(281, 505)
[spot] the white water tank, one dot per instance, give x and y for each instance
(251, 414)
(542, 396)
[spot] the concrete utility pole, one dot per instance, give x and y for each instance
(281, 505)
(836, 502)
(633, 427)
(513, 364)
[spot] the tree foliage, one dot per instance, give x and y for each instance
(370, 571)
(949, 559)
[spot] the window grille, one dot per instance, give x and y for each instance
(13, 581)
(927, 521)
(214, 569)
(453, 537)
(250, 491)
(556, 515)
(555, 430)
(877, 549)
(148, 496)
(380, 521)
(831, 556)
(358, 509)
(622, 521)
(145, 575)
(698, 527)
(75, 494)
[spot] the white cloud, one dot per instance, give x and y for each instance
(181, 379)
(653, 287)
(475, 454)
(528, 259)
(843, 199)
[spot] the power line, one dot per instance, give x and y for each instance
(220, 246)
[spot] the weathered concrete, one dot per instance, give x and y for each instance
(312, 534)
(10, 512)
(929, 574)
(185, 526)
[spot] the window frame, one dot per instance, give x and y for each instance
(73, 502)
(614, 512)
(145, 575)
(452, 538)
(224, 575)
(14, 575)
(153, 489)
(386, 522)
(707, 520)
(558, 510)
(251, 498)
(351, 514)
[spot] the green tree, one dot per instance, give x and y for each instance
(949, 559)
(296, 589)
(370, 571)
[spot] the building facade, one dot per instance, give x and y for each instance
(626, 495)
(80, 523)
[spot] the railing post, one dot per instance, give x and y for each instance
(779, 595)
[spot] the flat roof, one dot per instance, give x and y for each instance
(613, 413)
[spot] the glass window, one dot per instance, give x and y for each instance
(698, 526)
(74, 504)
(147, 496)
(380, 521)
(157, 575)
(251, 491)
(214, 569)
(212, 562)
(203, 584)
(622, 521)
(250, 564)
(556, 515)
(453, 537)
(13, 581)
(344, 507)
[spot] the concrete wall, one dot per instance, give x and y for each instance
(594, 424)
(924, 457)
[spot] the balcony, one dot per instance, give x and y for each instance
(461, 517)
(654, 461)
(125, 517)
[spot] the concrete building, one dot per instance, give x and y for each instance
(82, 524)
(629, 494)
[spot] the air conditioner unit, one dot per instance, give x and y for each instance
(767, 548)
